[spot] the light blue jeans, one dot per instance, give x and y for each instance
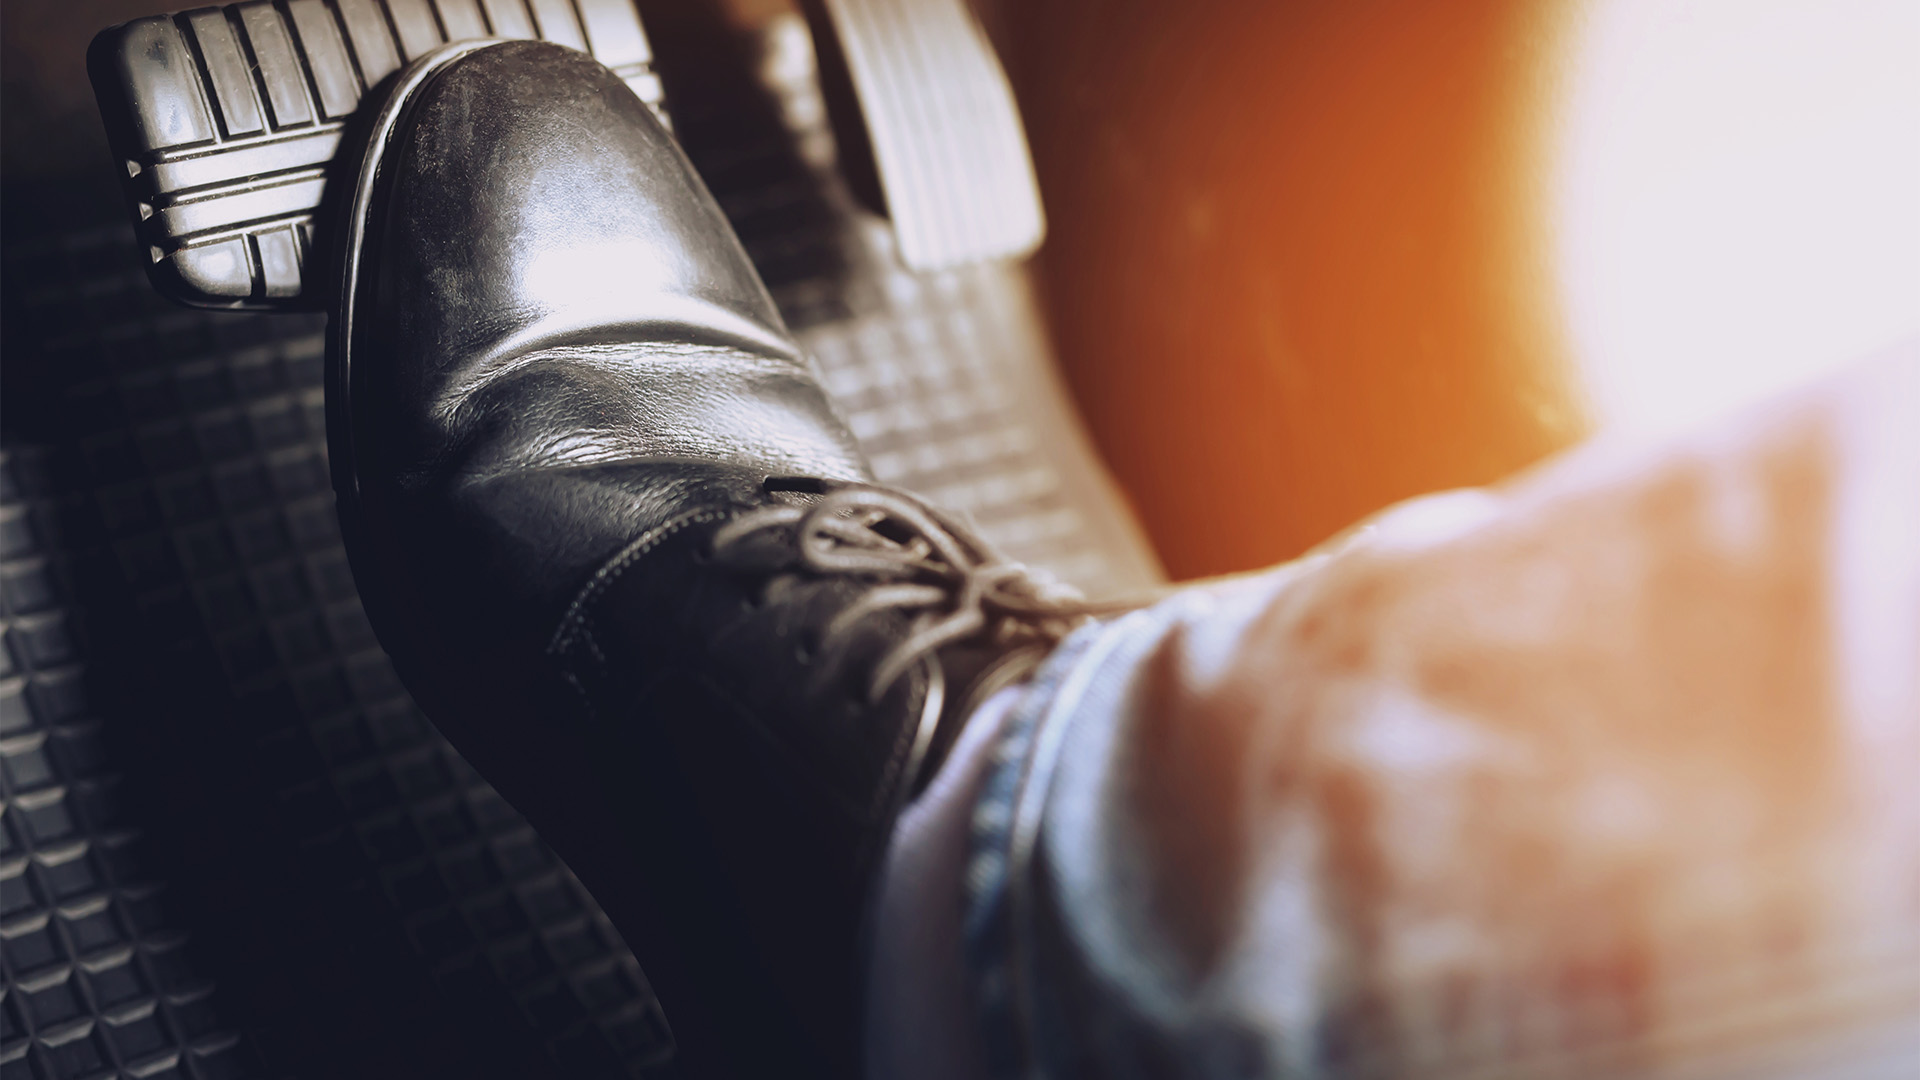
(1611, 771)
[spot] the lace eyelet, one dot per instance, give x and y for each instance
(797, 485)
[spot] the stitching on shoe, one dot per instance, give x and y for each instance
(572, 624)
(593, 646)
(580, 691)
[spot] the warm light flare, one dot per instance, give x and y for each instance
(1736, 197)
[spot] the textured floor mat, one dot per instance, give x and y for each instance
(232, 845)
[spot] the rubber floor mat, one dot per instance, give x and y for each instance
(231, 846)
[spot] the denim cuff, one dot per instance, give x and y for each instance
(1020, 1013)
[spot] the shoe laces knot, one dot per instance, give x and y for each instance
(916, 560)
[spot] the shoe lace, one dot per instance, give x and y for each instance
(920, 561)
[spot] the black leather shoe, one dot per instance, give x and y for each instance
(625, 555)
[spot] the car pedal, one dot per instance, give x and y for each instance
(226, 120)
(940, 121)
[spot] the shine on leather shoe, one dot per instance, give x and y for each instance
(624, 554)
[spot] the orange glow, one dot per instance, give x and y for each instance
(1293, 266)
(1308, 259)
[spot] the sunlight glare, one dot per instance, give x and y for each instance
(1736, 197)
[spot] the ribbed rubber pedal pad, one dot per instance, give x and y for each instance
(940, 120)
(225, 120)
